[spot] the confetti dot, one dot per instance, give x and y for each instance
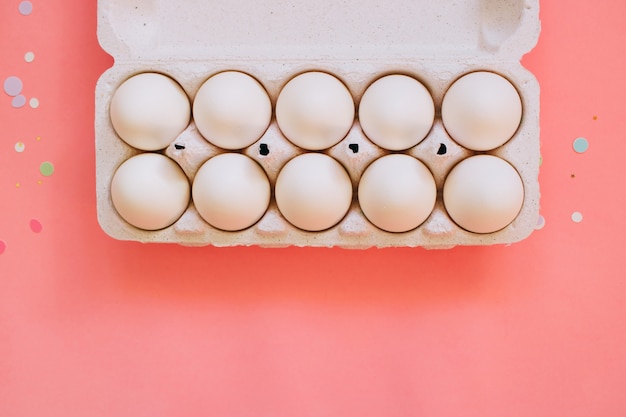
(581, 145)
(34, 103)
(29, 57)
(3, 247)
(541, 222)
(26, 8)
(19, 147)
(18, 101)
(13, 86)
(46, 169)
(17, 185)
(38, 138)
(40, 182)
(577, 217)
(36, 226)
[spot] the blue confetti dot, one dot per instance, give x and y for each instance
(26, 8)
(13, 86)
(581, 145)
(541, 222)
(18, 101)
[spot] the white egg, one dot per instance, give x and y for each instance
(150, 191)
(149, 110)
(315, 110)
(232, 110)
(313, 191)
(231, 191)
(397, 193)
(481, 111)
(396, 112)
(483, 194)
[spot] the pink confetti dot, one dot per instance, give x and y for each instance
(3, 247)
(36, 226)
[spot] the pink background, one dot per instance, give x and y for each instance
(90, 326)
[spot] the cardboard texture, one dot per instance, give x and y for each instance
(358, 42)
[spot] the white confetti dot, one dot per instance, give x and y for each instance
(19, 147)
(577, 217)
(34, 103)
(29, 57)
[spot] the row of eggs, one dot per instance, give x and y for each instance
(314, 110)
(313, 192)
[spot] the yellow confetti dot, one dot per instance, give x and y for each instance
(40, 182)
(38, 138)
(17, 185)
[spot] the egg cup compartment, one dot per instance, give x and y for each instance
(495, 49)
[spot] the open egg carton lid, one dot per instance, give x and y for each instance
(358, 41)
(157, 30)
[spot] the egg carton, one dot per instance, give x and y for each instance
(356, 41)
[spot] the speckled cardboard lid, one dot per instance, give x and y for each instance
(146, 30)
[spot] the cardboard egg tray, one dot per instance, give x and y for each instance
(356, 41)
